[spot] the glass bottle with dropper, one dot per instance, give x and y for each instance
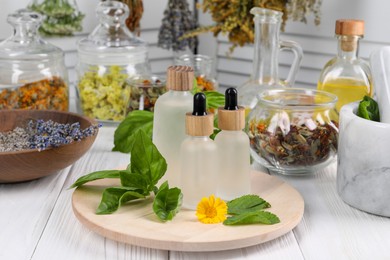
(347, 75)
(198, 156)
(169, 119)
(233, 149)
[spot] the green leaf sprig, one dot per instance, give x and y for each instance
(249, 209)
(138, 181)
(368, 109)
(140, 119)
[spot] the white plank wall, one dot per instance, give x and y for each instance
(318, 42)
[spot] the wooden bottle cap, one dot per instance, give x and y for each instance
(350, 27)
(180, 78)
(199, 125)
(231, 120)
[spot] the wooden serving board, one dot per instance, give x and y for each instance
(135, 222)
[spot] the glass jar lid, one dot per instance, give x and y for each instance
(25, 57)
(111, 42)
(25, 43)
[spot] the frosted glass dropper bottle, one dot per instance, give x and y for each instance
(233, 149)
(169, 119)
(198, 156)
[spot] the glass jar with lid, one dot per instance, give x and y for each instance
(108, 59)
(293, 131)
(32, 71)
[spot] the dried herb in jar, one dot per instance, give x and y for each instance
(204, 84)
(144, 94)
(301, 146)
(48, 93)
(104, 96)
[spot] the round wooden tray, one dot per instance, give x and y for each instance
(135, 223)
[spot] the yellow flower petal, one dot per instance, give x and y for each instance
(211, 210)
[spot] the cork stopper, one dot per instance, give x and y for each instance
(180, 78)
(350, 27)
(198, 122)
(231, 117)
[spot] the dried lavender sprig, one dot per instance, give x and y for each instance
(52, 134)
(40, 134)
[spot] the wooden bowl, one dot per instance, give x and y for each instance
(33, 164)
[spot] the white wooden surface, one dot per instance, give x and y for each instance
(37, 222)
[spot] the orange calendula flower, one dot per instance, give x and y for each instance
(211, 210)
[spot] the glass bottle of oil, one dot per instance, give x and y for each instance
(347, 75)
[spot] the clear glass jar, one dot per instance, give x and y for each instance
(203, 66)
(144, 93)
(32, 71)
(347, 75)
(61, 17)
(293, 131)
(108, 58)
(267, 45)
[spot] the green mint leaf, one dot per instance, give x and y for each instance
(124, 134)
(134, 180)
(114, 197)
(95, 176)
(368, 109)
(167, 202)
(246, 203)
(214, 99)
(255, 217)
(146, 159)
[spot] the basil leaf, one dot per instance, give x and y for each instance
(254, 217)
(114, 197)
(167, 202)
(368, 109)
(214, 99)
(146, 159)
(124, 135)
(246, 203)
(95, 176)
(134, 180)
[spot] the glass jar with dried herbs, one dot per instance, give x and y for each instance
(294, 131)
(32, 71)
(109, 58)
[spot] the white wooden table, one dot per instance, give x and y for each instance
(37, 221)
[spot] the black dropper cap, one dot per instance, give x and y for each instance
(199, 105)
(231, 99)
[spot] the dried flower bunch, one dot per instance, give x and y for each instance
(177, 21)
(133, 22)
(40, 134)
(233, 17)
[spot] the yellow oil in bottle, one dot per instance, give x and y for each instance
(347, 90)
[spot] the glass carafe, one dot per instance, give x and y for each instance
(32, 71)
(266, 53)
(109, 58)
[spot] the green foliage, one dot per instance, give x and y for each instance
(246, 203)
(167, 202)
(368, 109)
(124, 135)
(249, 209)
(253, 217)
(146, 168)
